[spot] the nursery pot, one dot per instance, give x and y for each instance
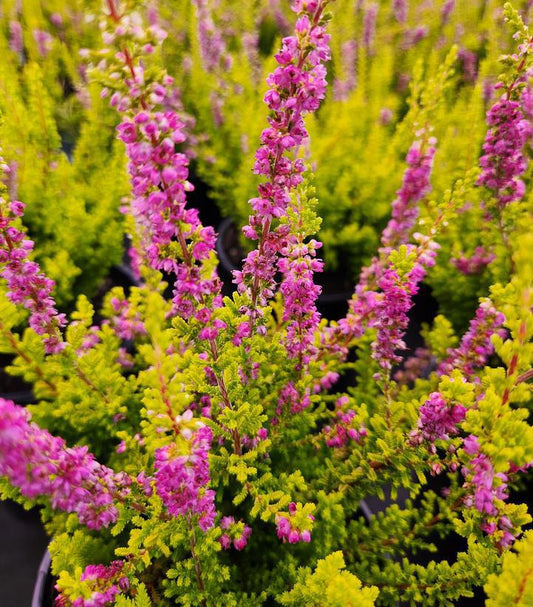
(44, 593)
(337, 287)
(200, 199)
(13, 388)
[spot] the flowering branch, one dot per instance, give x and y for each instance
(40, 464)
(476, 346)
(297, 86)
(26, 284)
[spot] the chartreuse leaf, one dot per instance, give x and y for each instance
(329, 585)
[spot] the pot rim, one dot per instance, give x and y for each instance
(42, 574)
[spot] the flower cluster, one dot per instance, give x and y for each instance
(181, 479)
(26, 284)
(382, 300)
(91, 339)
(415, 187)
(159, 179)
(293, 527)
(413, 36)
(504, 162)
(290, 400)
(43, 40)
(297, 86)
(399, 8)
(391, 318)
(363, 303)
(369, 27)
(446, 11)
(486, 488)
(236, 533)
(104, 584)
(127, 322)
(469, 66)
(476, 263)
(212, 46)
(16, 42)
(387, 310)
(300, 294)
(343, 87)
(395, 301)
(343, 431)
(475, 346)
(438, 420)
(40, 464)
(174, 240)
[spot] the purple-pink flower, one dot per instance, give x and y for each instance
(105, 582)
(172, 238)
(43, 40)
(438, 420)
(399, 8)
(369, 27)
(297, 86)
(212, 45)
(182, 479)
(344, 430)
(41, 465)
(476, 346)
(381, 298)
(126, 322)
(288, 530)
(476, 263)
(27, 285)
(343, 87)
(415, 187)
(291, 401)
(16, 41)
(485, 488)
(503, 161)
(235, 533)
(394, 302)
(159, 179)
(300, 293)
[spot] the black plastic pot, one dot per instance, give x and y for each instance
(43, 593)
(23, 543)
(13, 388)
(200, 199)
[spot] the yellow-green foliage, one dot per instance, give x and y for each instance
(358, 167)
(330, 585)
(46, 111)
(126, 400)
(514, 584)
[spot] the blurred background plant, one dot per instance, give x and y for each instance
(59, 143)
(396, 67)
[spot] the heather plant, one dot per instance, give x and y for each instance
(191, 449)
